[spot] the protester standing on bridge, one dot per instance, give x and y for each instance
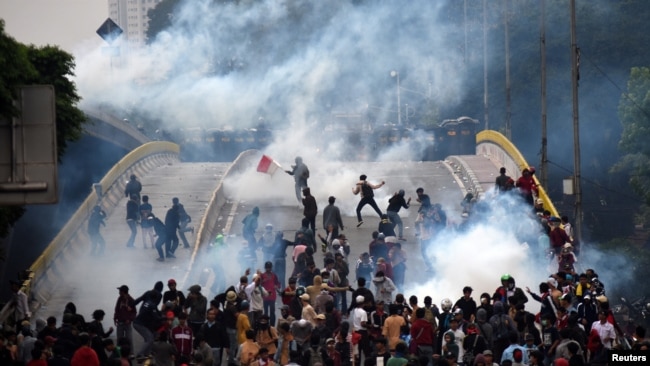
(145, 224)
(161, 234)
(124, 315)
(367, 196)
(395, 203)
(310, 209)
(184, 221)
(300, 174)
(527, 186)
(332, 216)
(95, 221)
(501, 183)
(248, 231)
(132, 218)
(172, 221)
(133, 187)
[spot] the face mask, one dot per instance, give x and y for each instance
(544, 322)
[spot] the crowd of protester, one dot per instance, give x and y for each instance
(315, 324)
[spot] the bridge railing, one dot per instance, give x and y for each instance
(44, 272)
(210, 224)
(503, 152)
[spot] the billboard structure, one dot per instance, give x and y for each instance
(28, 157)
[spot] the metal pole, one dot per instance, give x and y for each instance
(465, 26)
(576, 125)
(542, 46)
(485, 68)
(507, 46)
(399, 103)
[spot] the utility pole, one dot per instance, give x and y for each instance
(507, 44)
(542, 51)
(485, 68)
(575, 75)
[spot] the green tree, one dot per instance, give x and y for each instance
(634, 113)
(25, 65)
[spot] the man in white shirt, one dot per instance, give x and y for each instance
(605, 329)
(359, 319)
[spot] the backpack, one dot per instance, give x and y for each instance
(315, 356)
(366, 189)
(305, 173)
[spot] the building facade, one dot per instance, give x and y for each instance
(131, 16)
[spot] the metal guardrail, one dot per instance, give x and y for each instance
(141, 160)
(496, 138)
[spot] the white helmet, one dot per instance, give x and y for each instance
(445, 304)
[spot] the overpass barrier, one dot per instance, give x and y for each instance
(46, 270)
(209, 226)
(503, 152)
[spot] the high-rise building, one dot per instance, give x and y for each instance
(131, 16)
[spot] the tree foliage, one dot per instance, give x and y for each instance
(27, 65)
(634, 114)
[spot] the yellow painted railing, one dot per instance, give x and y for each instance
(496, 138)
(56, 247)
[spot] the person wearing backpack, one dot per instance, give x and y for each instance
(367, 196)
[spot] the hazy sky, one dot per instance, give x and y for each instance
(66, 23)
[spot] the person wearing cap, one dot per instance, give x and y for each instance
(367, 196)
(359, 322)
(124, 315)
(197, 305)
(175, 296)
(322, 330)
(243, 323)
(467, 304)
(308, 312)
(331, 353)
(529, 344)
(587, 310)
(489, 358)
(332, 216)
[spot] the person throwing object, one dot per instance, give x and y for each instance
(367, 196)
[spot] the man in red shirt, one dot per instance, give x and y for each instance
(183, 337)
(423, 334)
(271, 284)
(527, 186)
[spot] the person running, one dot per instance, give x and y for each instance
(367, 196)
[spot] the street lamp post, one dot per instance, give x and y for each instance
(395, 74)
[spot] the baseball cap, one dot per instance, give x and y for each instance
(360, 299)
(123, 288)
(171, 282)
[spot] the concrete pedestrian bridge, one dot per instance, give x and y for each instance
(218, 195)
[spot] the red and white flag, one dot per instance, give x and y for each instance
(267, 165)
